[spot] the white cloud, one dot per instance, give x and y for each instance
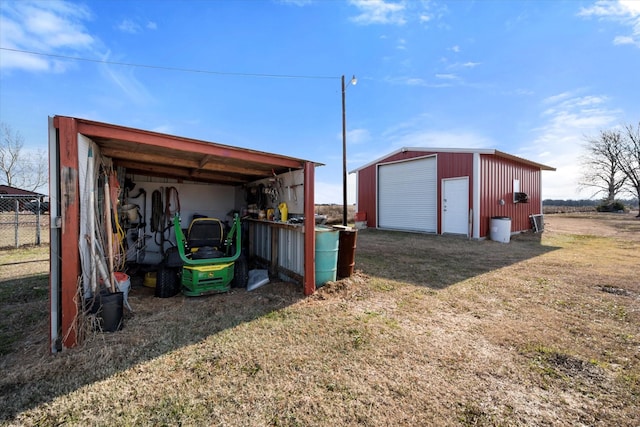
(470, 64)
(358, 136)
(132, 27)
(125, 79)
(624, 12)
(355, 136)
(418, 131)
(413, 81)
(58, 28)
(518, 92)
(128, 26)
(379, 12)
(567, 118)
(296, 2)
(331, 193)
(625, 40)
(417, 81)
(455, 48)
(442, 139)
(446, 76)
(44, 27)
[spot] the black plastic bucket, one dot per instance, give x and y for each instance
(111, 311)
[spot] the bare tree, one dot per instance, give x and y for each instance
(19, 168)
(630, 159)
(602, 170)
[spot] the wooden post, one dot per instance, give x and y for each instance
(70, 262)
(309, 229)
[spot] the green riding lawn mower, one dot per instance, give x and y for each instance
(208, 259)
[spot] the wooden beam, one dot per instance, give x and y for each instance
(108, 131)
(205, 159)
(309, 208)
(177, 172)
(70, 262)
(157, 158)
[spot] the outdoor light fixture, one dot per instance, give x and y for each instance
(353, 82)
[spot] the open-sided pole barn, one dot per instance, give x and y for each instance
(212, 180)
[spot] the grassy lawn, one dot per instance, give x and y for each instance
(431, 330)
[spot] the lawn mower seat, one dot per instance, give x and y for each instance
(205, 238)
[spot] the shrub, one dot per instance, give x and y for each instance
(616, 206)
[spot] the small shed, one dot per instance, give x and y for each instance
(448, 190)
(14, 191)
(17, 199)
(194, 177)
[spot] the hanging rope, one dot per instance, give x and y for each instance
(156, 210)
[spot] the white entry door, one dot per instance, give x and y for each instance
(455, 205)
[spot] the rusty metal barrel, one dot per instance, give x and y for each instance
(347, 252)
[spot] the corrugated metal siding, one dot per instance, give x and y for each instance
(455, 165)
(262, 240)
(290, 246)
(366, 196)
(450, 165)
(497, 175)
(291, 250)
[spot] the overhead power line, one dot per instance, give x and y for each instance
(160, 67)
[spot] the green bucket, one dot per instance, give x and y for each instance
(326, 255)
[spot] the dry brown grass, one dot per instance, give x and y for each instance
(30, 227)
(334, 213)
(431, 330)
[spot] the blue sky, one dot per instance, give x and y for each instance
(531, 78)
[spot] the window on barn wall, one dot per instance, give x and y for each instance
(518, 196)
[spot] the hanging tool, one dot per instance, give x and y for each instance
(142, 192)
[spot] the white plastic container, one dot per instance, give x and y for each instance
(123, 283)
(500, 229)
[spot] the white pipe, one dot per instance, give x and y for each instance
(91, 219)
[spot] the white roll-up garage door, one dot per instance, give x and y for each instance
(407, 195)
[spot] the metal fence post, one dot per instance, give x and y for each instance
(38, 223)
(16, 225)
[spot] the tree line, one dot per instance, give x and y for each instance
(586, 202)
(611, 165)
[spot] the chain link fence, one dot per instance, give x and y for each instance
(24, 221)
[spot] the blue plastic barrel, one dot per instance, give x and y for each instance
(326, 255)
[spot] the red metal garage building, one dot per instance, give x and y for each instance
(449, 190)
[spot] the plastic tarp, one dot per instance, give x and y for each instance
(257, 278)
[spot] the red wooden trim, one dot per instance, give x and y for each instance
(104, 130)
(70, 263)
(309, 229)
